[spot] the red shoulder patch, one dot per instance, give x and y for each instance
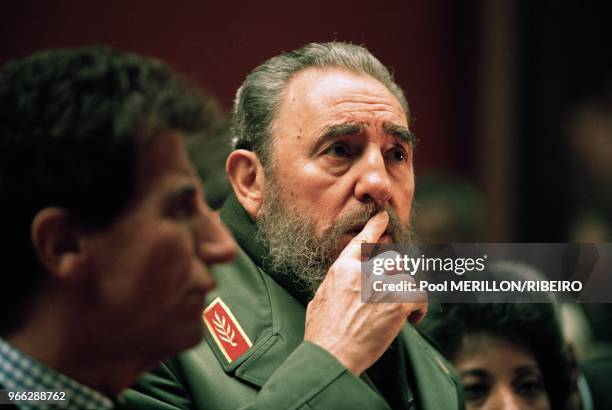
(225, 330)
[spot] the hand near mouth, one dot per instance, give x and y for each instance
(337, 320)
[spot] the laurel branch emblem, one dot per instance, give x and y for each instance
(224, 330)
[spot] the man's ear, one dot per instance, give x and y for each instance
(246, 175)
(57, 244)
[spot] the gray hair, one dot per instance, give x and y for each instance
(260, 96)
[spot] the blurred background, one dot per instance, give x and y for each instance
(511, 100)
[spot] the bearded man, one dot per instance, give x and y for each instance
(322, 163)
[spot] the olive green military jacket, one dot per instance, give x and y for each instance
(279, 370)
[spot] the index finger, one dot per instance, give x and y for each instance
(371, 233)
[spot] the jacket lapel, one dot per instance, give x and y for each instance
(270, 317)
(432, 370)
(287, 328)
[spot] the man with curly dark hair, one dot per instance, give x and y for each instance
(106, 239)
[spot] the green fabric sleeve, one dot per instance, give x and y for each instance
(311, 378)
(161, 389)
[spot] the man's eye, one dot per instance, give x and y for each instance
(184, 208)
(340, 150)
(398, 155)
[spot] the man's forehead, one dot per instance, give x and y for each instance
(323, 97)
(333, 82)
(163, 161)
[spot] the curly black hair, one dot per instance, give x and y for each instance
(535, 327)
(69, 125)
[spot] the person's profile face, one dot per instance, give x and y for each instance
(152, 263)
(340, 140)
(499, 374)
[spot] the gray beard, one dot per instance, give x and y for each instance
(296, 251)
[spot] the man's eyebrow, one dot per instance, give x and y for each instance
(401, 132)
(185, 191)
(341, 130)
(335, 131)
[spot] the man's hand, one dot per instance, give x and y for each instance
(356, 333)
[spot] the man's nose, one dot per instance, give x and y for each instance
(373, 179)
(216, 244)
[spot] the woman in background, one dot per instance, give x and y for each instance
(508, 356)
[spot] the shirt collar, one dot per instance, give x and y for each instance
(18, 371)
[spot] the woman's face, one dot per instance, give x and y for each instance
(499, 374)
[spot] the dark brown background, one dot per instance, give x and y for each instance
(488, 81)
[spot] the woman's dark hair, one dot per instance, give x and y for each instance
(535, 327)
